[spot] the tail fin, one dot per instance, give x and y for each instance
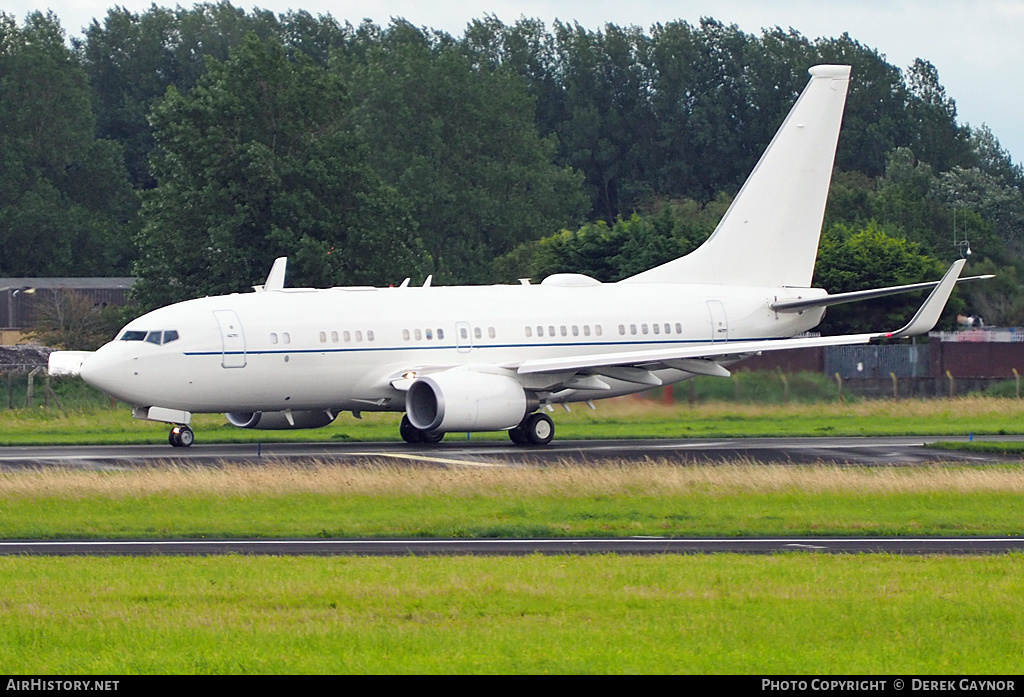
(769, 235)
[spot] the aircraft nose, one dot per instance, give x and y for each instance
(106, 372)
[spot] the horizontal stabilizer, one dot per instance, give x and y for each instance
(858, 295)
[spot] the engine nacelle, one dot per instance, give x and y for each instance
(462, 400)
(281, 420)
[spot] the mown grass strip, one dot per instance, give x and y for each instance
(780, 614)
(619, 418)
(377, 500)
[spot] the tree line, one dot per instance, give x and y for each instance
(191, 146)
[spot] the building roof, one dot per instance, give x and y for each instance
(83, 283)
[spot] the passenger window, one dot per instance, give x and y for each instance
(323, 337)
(476, 332)
(273, 337)
(668, 328)
(597, 329)
(440, 334)
(529, 333)
(586, 330)
(405, 334)
(347, 336)
(287, 338)
(369, 335)
(540, 330)
(490, 332)
(679, 328)
(551, 330)
(334, 337)
(643, 328)
(463, 333)
(656, 327)
(632, 329)
(359, 335)
(418, 334)
(564, 332)
(430, 334)
(622, 329)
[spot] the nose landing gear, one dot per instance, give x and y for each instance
(181, 437)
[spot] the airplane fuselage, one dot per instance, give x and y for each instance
(342, 348)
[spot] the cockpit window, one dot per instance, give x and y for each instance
(157, 338)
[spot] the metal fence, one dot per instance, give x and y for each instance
(866, 362)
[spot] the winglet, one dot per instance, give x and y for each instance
(929, 312)
(275, 281)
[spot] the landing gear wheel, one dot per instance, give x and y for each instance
(538, 428)
(410, 434)
(181, 437)
(518, 435)
(431, 437)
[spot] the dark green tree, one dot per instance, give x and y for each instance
(65, 200)
(259, 160)
(859, 258)
(461, 143)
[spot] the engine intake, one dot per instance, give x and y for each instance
(463, 400)
(281, 420)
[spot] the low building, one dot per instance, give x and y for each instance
(22, 299)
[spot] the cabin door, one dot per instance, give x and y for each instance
(719, 321)
(232, 339)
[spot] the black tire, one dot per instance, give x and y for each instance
(431, 437)
(518, 436)
(173, 439)
(410, 434)
(538, 428)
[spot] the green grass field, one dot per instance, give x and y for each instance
(729, 614)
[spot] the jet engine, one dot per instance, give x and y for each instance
(281, 420)
(463, 400)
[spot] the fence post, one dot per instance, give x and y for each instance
(895, 387)
(1016, 378)
(29, 391)
(785, 387)
(952, 384)
(10, 390)
(668, 395)
(839, 381)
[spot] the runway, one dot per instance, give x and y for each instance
(866, 451)
(516, 547)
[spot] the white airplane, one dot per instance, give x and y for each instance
(488, 358)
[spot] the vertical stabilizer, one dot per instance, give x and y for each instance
(769, 235)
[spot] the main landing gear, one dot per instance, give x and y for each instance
(535, 429)
(181, 437)
(413, 435)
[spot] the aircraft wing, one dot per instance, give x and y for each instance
(702, 358)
